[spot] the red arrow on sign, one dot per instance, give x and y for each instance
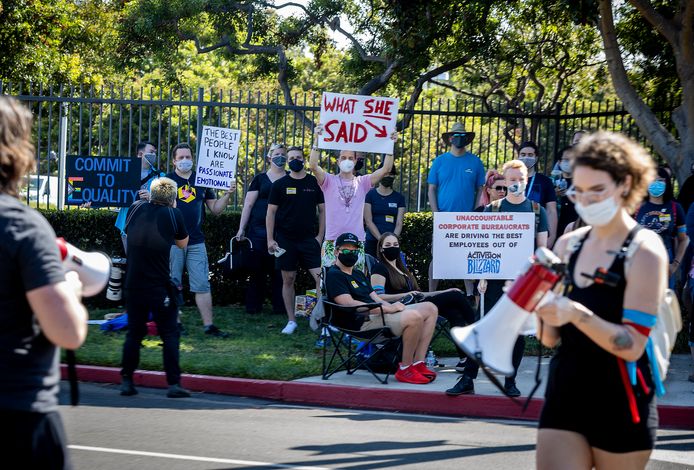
(380, 130)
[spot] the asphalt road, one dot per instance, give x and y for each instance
(206, 431)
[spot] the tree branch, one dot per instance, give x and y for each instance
(659, 22)
(381, 80)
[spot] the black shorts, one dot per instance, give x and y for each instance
(37, 440)
(305, 252)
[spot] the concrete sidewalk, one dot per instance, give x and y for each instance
(361, 390)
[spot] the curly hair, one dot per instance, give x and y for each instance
(619, 156)
(16, 150)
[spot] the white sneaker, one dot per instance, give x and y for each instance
(289, 329)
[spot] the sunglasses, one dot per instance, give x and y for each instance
(501, 188)
(347, 251)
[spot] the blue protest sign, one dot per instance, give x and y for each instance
(101, 181)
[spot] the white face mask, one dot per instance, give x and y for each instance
(598, 213)
(565, 166)
(184, 165)
(346, 166)
(517, 189)
(529, 162)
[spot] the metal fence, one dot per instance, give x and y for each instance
(110, 122)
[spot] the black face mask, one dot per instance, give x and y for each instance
(296, 165)
(460, 141)
(387, 181)
(359, 165)
(348, 260)
(391, 253)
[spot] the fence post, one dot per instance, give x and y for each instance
(557, 118)
(62, 151)
(201, 98)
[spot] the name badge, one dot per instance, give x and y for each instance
(390, 219)
(664, 217)
(291, 190)
(355, 285)
(393, 204)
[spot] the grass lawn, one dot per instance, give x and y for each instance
(256, 349)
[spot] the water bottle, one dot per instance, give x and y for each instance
(431, 359)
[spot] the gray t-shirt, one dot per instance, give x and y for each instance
(29, 374)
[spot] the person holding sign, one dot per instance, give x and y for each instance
(253, 226)
(291, 226)
(616, 278)
(456, 179)
(345, 195)
(516, 178)
(192, 200)
(384, 211)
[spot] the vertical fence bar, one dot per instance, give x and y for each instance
(62, 153)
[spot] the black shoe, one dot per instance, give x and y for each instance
(176, 391)
(216, 332)
(127, 387)
(465, 386)
(460, 366)
(512, 390)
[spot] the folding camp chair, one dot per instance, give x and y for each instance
(339, 352)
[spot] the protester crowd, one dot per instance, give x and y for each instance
(604, 189)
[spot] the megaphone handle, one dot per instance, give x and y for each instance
(482, 304)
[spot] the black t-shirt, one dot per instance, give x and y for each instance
(296, 201)
(380, 269)
(384, 210)
(567, 211)
(337, 283)
(191, 203)
(540, 189)
(256, 223)
(151, 229)
(29, 259)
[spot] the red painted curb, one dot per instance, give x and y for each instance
(408, 401)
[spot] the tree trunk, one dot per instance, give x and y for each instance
(662, 140)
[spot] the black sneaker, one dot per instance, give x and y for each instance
(216, 332)
(127, 387)
(512, 390)
(176, 391)
(465, 386)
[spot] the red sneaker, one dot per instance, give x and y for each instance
(410, 375)
(425, 371)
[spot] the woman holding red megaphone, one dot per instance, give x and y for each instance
(593, 416)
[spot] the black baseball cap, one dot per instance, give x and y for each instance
(346, 238)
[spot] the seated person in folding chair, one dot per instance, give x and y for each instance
(392, 281)
(414, 323)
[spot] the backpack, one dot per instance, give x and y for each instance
(496, 206)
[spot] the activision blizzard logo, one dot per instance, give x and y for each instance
(479, 262)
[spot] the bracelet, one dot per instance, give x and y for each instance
(676, 261)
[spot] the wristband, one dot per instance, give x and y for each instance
(676, 261)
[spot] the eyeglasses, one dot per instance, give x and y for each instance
(590, 197)
(501, 188)
(347, 251)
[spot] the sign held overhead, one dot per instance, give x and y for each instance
(357, 122)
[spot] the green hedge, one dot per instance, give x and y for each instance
(94, 230)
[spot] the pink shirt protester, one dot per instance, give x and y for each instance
(344, 205)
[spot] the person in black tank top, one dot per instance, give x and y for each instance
(593, 416)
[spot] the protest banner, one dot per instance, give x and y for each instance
(356, 122)
(102, 181)
(219, 150)
(482, 245)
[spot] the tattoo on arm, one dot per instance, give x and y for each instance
(622, 341)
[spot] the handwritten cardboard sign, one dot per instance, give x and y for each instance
(219, 150)
(482, 245)
(101, 181)
(357, 122)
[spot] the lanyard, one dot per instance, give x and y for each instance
(529, 189)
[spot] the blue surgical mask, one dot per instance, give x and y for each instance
(657, 188)
(184, 165)
(151, 158)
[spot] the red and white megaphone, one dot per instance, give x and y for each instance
(93, 268)
(490, 341)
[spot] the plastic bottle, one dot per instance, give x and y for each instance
(431, 359)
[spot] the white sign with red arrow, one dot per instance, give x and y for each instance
(358, 122)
